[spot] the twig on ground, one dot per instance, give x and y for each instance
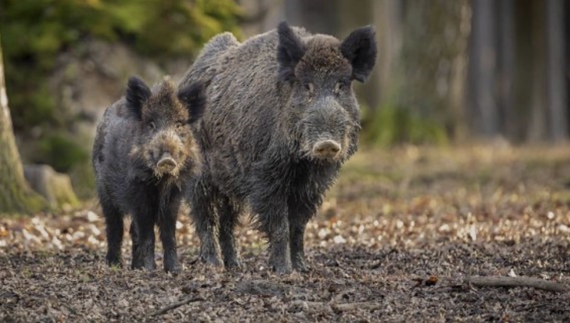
(369, 306)
(177, 304)
(537, 283)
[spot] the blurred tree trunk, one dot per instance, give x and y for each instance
(386, 17)
(537, 130)
(434, 60)
(317, 16)
(260, 15)
(509, 113)
(385, 79)
(15, 194)
(556, 69)
(483, 65)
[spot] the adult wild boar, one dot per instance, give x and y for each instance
(144, 156)
(282, 119)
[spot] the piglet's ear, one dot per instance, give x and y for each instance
(289, 51)
(137, 94)
(193, 96)
(360, 49)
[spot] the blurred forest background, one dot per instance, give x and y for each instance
(448, 71)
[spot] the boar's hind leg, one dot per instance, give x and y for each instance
(206, 222)
(114, 228)
(228, 220)
(143, 238)
(167, 224)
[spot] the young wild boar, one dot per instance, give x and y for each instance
(144, 155)
(281, 121)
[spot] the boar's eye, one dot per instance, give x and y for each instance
(151, 125)
(340, 86)
(310, 87)
(179, 125)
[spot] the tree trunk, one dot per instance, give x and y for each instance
(483, 67)
(556, 70)
(15, 195)
(508, 109)
(538, 128)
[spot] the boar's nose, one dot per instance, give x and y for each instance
(326, 149)
(166, 163)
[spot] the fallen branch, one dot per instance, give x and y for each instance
(369, 306)
(177, 304)
(537, 283)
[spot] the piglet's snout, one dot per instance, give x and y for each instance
(166, 163)
(326, 149)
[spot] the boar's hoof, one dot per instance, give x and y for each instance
(173, 269)
(114, 263)
(301, 266)
(233, 265)
(326, 149)
(282, 269)
(211, 260)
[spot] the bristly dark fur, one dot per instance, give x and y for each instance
(137, 93)
(289, 51)
(130, 140)
(194, 98)
(277, 105)
(360, 49)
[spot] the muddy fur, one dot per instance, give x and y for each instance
(272, 101)
(135, 134)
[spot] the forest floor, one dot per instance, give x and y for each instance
(397, 240)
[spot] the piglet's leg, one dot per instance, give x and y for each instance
(167, 224)
(114, 228)
(143, 253)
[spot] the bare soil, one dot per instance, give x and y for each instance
(396, 240)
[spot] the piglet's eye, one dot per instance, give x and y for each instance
(179, 125)
(151, 125)
(338, 87)
(310, 87)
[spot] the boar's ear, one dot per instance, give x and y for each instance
(360, 49)
(289, 51)
(193, 96)
(137, 93)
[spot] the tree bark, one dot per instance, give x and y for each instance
(483, 66)
(385, 79)
(556, 69)
(15, 195)
(506, 67)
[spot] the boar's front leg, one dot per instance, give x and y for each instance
(143, 239)
(301, 210)
(205, 219)
(297, 225)
(274, 222)
(167, 225)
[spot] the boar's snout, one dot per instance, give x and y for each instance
(326, 149)
(166, 163)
